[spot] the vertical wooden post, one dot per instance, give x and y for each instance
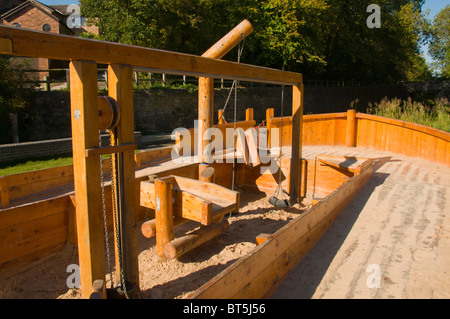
(304, 179)
(350, 139)
(249, 114)
(120, 87)
(205, 113)
(206, 173)
(164, 214)
(84, 116)
(269, 114)
(297, 126)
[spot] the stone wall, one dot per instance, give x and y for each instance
(163, 110)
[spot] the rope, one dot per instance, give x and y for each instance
(279, 188)
(235, 83)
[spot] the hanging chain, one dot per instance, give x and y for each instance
(116, 220)
(105, 221)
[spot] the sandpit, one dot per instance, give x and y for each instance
(160, 280)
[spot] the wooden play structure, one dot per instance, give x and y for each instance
(150, 194)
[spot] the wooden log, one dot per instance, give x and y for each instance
(164, 214)
(205, 114)
(148, 228)
(182, 245)
(206, 173)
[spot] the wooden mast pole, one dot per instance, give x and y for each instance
(206, 85)
(297, 127)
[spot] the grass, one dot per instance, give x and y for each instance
(436, 115)
(23, 166)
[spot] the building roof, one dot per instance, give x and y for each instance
(50, 10)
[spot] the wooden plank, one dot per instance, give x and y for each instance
(252, 147)
(38, 254)
(152, 156)
(27, 231)
(4, 192)
(193, 202)
(30, 212)
(62, 47)
(27, 246)
(39, 175)
(256, 274)
(6, 46)
(84, 115)
(96, 151)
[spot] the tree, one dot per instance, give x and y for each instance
(323, 39)
(16, 88)
(354, 51)
(439, 47)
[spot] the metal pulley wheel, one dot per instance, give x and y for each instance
(108, 112)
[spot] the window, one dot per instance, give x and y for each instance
(17, 25)
(46, 27)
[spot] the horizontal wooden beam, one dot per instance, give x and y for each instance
(110, 149)
(32, 43)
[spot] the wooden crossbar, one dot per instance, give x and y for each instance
(32, 43)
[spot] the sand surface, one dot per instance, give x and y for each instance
(392, 241)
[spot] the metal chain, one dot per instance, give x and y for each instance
(105, 222)
(116, 221)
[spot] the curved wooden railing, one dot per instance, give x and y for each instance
(354, 129)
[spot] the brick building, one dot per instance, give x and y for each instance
(34, 15)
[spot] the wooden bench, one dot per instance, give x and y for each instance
(185, 199)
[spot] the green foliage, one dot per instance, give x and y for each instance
(323, 39)
(436, 115)
(439, 47)
(14, 91)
